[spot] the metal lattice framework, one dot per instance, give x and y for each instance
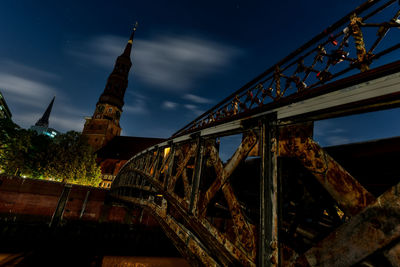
(355, 42)
(281, 199)
(306, 210)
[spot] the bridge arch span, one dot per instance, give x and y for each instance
(281, 199)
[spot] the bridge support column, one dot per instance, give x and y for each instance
(269, 194)
(84, 204)
(62, 202)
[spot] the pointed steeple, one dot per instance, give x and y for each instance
(128, 47)
(104, 124)
(44, 120)
(118, 80)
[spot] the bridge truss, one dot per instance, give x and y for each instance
(281, 199)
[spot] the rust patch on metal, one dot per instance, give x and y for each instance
(359, 42)
(223, 173)
(244, 248)
(184, 159)
(172, 227)
(164, 167)
(186, 185)
(243, 230)
(372, 229)
(344, 188)
(393, 255)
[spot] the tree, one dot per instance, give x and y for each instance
(15, 144)
(67, 158)
(71, 160)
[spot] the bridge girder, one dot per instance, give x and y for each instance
(281, 199)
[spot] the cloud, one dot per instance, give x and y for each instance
(194, 109)
(337, 140)
(23, 91)
(28, 92)
(67, 123)
(327, 128)
(164, 62)
(59, 122)
(11, 66)
(64, 118)
(66, 108)
(26, 119)
(338, 130)
(22, 87)
(197, 99)
(61, 118)
(101, 50)
(137, 106)
(328, 133)
(169, 105)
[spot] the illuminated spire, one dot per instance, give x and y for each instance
(128, 48)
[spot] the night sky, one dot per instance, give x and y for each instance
(187, 56)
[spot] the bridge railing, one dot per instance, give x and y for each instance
(353, 43)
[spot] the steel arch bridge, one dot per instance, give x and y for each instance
(281, 199)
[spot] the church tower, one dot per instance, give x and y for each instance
(104, 124)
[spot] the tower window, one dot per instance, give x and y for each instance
(109, 110)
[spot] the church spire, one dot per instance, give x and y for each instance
(128, 47)
(44, 120)
(104, 124)
(118, 80)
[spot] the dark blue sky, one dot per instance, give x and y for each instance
(187, 56)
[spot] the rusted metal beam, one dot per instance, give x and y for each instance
(374, 228)
(153, 167)
(269, 195)
(351, 196)
(223, 173)
(243, 230)
(185, 157)
(186, 185)
(181, 236)
(229, 254)
(164, 166)
(169, 165)
(393, 255)
(194, 198)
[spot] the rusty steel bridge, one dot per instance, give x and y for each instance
(282, 199)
